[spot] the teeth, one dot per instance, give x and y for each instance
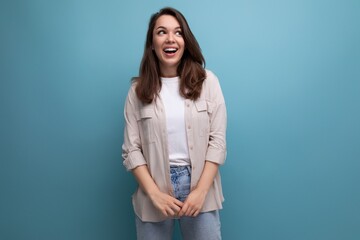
(170, 49)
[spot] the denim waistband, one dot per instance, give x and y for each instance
(180, 170)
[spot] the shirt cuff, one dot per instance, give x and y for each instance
(134, 160)
(216, 155)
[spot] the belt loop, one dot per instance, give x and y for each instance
(189, 168)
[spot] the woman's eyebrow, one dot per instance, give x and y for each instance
(166, 28)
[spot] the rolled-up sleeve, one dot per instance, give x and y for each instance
(131, 149)
(216, 151)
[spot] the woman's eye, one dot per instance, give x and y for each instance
(161, 32)
(178, 33)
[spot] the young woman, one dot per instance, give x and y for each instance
(174, 138)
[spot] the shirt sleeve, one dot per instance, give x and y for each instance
(216, 151)
(131, 149)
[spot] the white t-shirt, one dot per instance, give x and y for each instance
(174, 105)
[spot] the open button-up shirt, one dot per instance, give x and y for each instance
(145, 143)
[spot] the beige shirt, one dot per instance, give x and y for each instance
(145, 142)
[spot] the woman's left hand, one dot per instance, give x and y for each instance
(193, 203)
(195, 200)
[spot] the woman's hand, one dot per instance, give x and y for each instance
(168, 205)
(193, 203)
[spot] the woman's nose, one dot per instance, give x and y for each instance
(170, 38)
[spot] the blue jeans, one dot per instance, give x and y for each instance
(205, 226)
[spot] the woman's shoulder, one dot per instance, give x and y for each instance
(209, 73)
(211, 87)
(211, 78)
(134, 81)
(132, 89)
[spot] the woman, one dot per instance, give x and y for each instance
(174, 138)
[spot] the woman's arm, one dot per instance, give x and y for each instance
(194, 202)
(135, 161)
(216, 150)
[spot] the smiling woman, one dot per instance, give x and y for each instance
(174, 138)
(168, 44)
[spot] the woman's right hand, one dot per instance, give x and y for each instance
(168, 205)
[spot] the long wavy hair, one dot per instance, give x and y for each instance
(191, 69)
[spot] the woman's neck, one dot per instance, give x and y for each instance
(169, 72)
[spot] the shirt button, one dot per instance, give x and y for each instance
(191, 147)
(188, 105)
(189, 127)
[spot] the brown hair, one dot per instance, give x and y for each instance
(190, 70)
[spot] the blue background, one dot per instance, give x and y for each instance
(290, 73)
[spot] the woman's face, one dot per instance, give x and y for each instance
(168, 44)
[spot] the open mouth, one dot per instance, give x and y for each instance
(170, 50)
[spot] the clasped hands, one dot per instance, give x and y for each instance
(172, 207)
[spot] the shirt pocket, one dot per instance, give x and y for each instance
(202, 117)
(145, 119)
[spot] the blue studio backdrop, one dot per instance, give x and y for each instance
(290, 73)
